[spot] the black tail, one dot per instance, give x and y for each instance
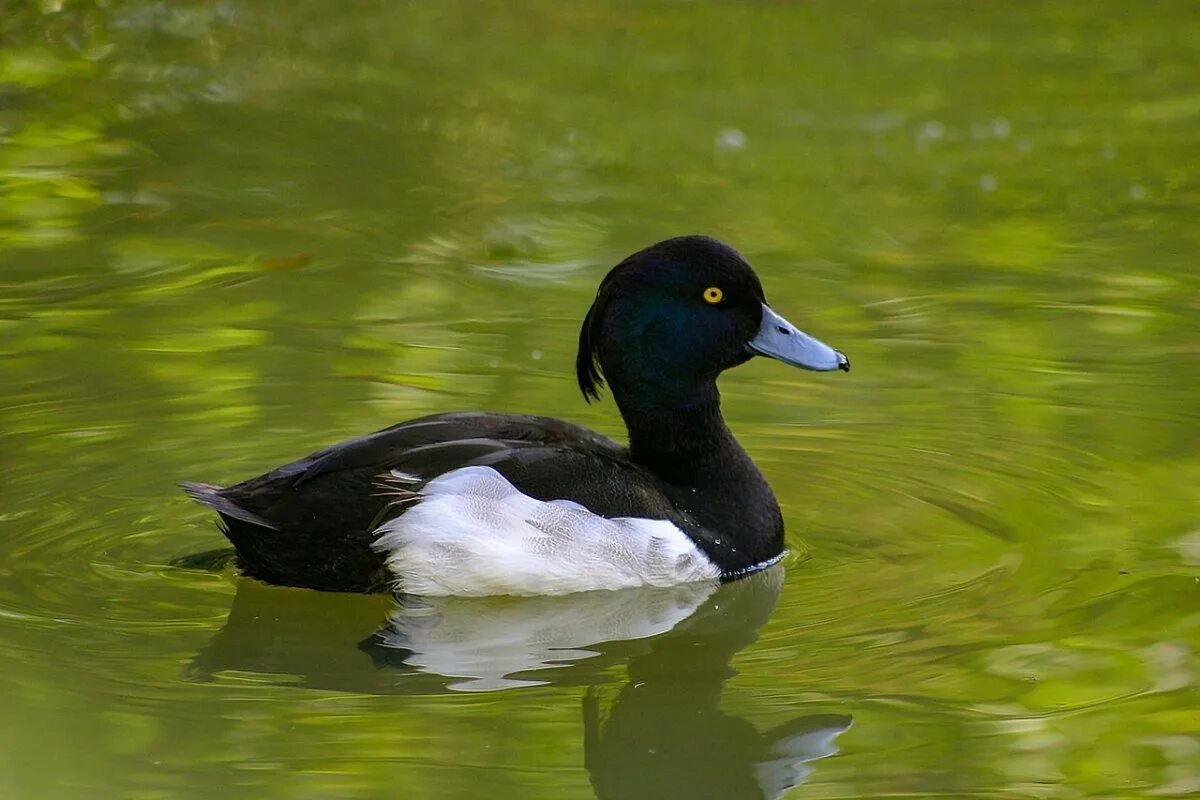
(210, 495)
(254, 538)
(326, 555)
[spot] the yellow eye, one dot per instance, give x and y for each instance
(713, 295)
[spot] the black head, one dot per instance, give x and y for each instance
(669, 319)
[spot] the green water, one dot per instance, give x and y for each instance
(232, 232)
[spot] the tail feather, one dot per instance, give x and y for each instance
(314, 547)
(210, 495)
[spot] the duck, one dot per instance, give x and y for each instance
(488, 503)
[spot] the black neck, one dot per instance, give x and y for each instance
(679, 441)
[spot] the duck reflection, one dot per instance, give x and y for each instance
(666, 735)
(662, 733)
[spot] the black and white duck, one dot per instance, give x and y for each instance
(481, 503)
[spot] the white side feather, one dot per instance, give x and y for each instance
(474, 533)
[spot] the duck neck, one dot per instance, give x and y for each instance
(680, 441)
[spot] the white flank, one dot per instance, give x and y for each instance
(474, 533)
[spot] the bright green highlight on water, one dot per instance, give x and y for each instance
(233, 232)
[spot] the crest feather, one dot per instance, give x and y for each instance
(587, 360)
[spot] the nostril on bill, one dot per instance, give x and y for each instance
(782, 330)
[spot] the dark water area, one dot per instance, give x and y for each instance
(231, 233)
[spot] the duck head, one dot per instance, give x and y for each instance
(669, 319)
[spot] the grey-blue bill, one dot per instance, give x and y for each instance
(777, 338)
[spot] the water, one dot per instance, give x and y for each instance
(231, 233)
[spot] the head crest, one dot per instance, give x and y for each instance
(587, 360)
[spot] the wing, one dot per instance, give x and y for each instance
(345, 475)
(381, 450)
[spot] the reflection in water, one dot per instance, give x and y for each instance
(663, 735)
(666, 735)
(487, 641)
(308, 638)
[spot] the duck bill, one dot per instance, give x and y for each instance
(779, 339)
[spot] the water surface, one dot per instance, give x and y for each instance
(233, 232)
